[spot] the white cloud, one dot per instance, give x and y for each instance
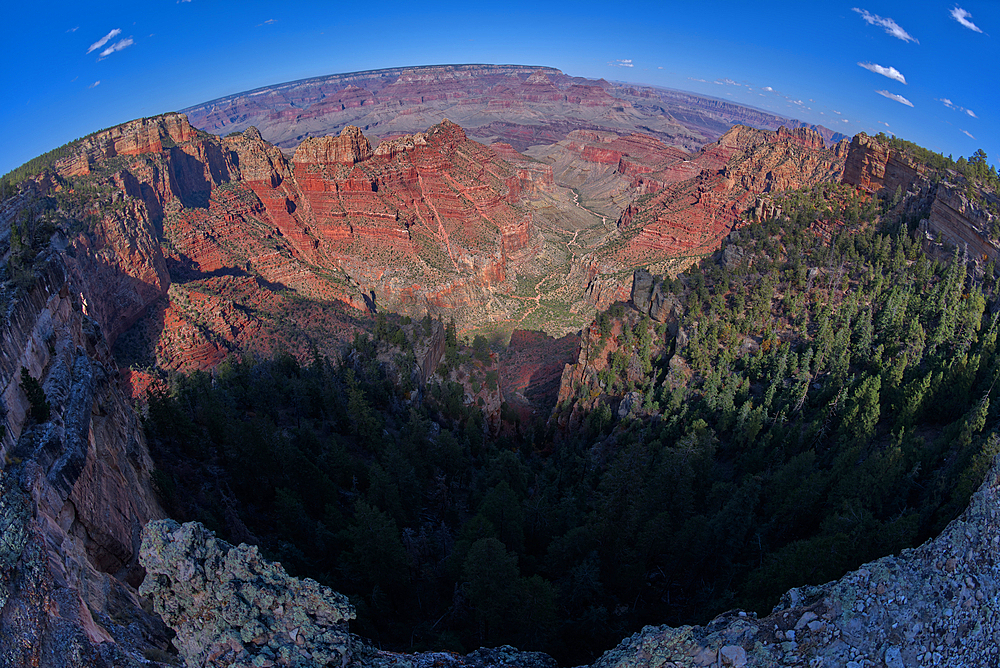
(117, 46)
(73, 29)
(888, 25)
(768, 89)
(836, 112)
(890, 72)
(701, 80)
(621, 63)
(963, 17)
(95, 84)
(968, 134)
(845, 120)
(884, 123)
(727, 81)
(893, 96)
(104, 40)
(951, 105)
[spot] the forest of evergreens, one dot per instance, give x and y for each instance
(835, 406)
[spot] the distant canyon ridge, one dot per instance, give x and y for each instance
(502, 198)
(520, 105)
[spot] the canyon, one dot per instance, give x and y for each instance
(212, 245)
(175, 248)
(519, 105)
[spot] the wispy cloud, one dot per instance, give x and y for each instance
(727, 81)
(104, 40)
(267, 22)
(621, 63)
(884, 123)
(967, 134)
(890, 72)
(768, 89)
(95, 84)
(701, 80)
(893, 96)
(951, 105)
(73, 29)
(117, 46)
(888, 25)
(963, 17)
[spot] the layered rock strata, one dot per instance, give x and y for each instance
(194, 226)
(520, 105)
(957, 211)
(75, 491)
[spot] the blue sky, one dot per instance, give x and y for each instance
(926, 71)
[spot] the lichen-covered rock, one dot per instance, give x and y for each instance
(504, 656)
(230, 607)
(936, 605)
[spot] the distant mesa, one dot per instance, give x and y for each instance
(521, 105)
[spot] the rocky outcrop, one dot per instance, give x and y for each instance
(349, 148)
(230, 607)
(146, 135)
(957, 211)
(933, 605)
(74, 493)
(963, 221)
(649, 298)
(694, 204)
(873, 166)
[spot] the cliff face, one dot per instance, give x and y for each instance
(695, 203)
(965, 222)
(74, 490)
(959, 212)
(874, 166)
(425, 221)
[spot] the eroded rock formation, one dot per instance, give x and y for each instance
(74, 491)
(956, 210)
(193, 226)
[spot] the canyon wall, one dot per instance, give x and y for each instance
(196, 224)
(956, 210)
(75, 489)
